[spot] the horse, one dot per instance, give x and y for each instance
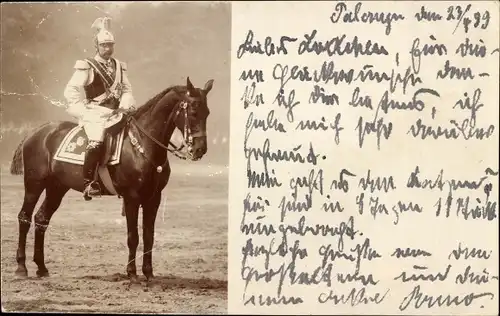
(139, 178)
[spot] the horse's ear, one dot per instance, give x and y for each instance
(208, 86)
(189, 85)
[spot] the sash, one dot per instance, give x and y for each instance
(110, 84)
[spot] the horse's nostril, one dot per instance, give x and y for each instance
(199, 151)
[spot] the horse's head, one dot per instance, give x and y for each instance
(192, 118)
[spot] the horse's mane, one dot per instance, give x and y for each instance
(141, 110)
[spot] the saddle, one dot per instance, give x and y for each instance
(111, 139)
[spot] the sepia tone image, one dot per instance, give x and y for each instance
(115, 144)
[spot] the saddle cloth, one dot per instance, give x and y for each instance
(72, 147)
(72, 150)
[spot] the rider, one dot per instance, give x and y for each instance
(106, 87)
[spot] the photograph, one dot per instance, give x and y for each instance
(115, 156)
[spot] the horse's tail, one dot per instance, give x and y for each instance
(16, 166)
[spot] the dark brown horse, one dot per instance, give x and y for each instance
(139, 178)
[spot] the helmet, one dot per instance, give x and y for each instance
(104, 34)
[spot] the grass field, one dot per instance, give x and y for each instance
(86, 251)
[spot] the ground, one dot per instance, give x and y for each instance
(86, 251)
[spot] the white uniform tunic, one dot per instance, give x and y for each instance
(96, 118)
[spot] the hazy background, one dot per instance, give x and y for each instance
(162, 43)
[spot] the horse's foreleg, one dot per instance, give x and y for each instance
(53, 198)
(149, 211)
(132, 213)
(33, 190)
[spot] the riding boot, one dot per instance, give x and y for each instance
(92, 157)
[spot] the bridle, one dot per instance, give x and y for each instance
(187, 141)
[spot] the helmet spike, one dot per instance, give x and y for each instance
(103, 26)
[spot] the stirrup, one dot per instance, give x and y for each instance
(91, 191)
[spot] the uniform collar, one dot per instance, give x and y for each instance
(102, 60)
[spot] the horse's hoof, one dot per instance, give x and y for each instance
(42, 273)
(149, 284)
(133, 278)
(21, 273)
(149, 279)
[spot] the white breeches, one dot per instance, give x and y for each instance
(94, 131)
(94, 120)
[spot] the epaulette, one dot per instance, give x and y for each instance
(82, 65)
(124, 65)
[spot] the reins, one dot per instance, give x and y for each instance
(175, 151)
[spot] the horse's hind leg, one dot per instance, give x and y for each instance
(53, 197)
(32, 191)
